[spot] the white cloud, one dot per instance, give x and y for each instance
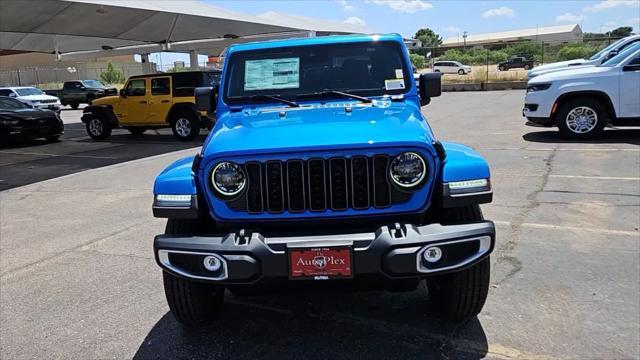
(570, 18)
(452, 29)
(610, 4)
(346, 6)
(403, 6)
(354, 20)
(501, 11)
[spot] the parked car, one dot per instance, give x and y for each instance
(321, 167)
(32, 96)
(74, 93)
(581, 101)
(451, 67)
(152, 102)
(22, 121)
(515, 63)
(600, 57)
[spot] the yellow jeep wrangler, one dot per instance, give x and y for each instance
(151, 102)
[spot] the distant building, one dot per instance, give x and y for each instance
(552, 35)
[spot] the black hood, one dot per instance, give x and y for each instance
(26, 114)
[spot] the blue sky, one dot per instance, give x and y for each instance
(448, 18)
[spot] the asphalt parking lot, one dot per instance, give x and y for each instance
(78, 279)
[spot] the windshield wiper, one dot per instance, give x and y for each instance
(268, 97)
(327, 92)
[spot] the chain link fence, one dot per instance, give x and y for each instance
(484, 59)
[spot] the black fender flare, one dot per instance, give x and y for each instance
(587, 93)
(184, 106)
(104, 110)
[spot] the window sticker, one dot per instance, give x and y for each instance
(394, 84)
(399, 74)
(272, 74)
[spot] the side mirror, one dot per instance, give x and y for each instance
(206, 99)
(430, 86)
(611, 54)
(123, 93)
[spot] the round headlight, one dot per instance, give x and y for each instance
(228, 178)
(407, 169)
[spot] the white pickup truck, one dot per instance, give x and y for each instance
(581, 101)
(600, 57)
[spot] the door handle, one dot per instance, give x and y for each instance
(165, 101)
(143, 102)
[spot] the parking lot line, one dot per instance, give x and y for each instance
(572, 228)
(556, 149)
(596, 177)
(56, 155)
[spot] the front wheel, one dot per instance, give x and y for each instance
(191, 303)
(502, 68)
(527, 67)
(98, 127)
(185, 126)
(581, 118)
(461, 295)
(460, 72)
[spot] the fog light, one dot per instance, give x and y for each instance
(212, 263)
(432, 254)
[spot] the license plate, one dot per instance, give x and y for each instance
(321, 263)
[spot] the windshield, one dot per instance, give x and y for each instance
(622, 55)
(600, 53)
(367, 69)
(28, 91)
(93, 84)
(11, 104)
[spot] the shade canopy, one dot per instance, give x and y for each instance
(99, 26)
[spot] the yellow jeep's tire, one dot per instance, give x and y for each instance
(185, 125)
(461, 295)
(98, 127)
(192, 303)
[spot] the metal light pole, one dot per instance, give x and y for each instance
(464, 37)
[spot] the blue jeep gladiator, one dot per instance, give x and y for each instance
(321, 167)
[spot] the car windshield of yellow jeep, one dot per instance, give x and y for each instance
(317, 71)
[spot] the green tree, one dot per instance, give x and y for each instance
(574, 51)
(417, 60)
(112, 75)
(622, 31)
(428, 37)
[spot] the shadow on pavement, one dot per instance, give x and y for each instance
(27, 162)
(609, 136)
(320, 325)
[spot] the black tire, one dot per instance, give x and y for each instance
(98, 127)
(460, 72)
(185, 125)
(74, 105)
(137, 130)
(191, 303)
(436, 70)
(527, 67)
(502, 68)
(584, 105)
(461, 295)
(52, 139)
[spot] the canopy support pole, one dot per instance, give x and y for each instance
(193, 60)
(146, 65)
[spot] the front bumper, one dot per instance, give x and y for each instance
(394, 252)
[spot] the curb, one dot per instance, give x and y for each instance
(486, 86)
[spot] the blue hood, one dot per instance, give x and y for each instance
(273, 129)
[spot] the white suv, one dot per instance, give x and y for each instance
(600, 57)
(32, 96)
(451, 67)
(582, 101)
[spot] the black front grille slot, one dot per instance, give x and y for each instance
(381, 186)
(295, 183)
(254, 189)
(360, 182)
(317, 186)
(275, 194)
(338, 183)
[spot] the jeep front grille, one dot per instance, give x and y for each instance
(318, 184)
